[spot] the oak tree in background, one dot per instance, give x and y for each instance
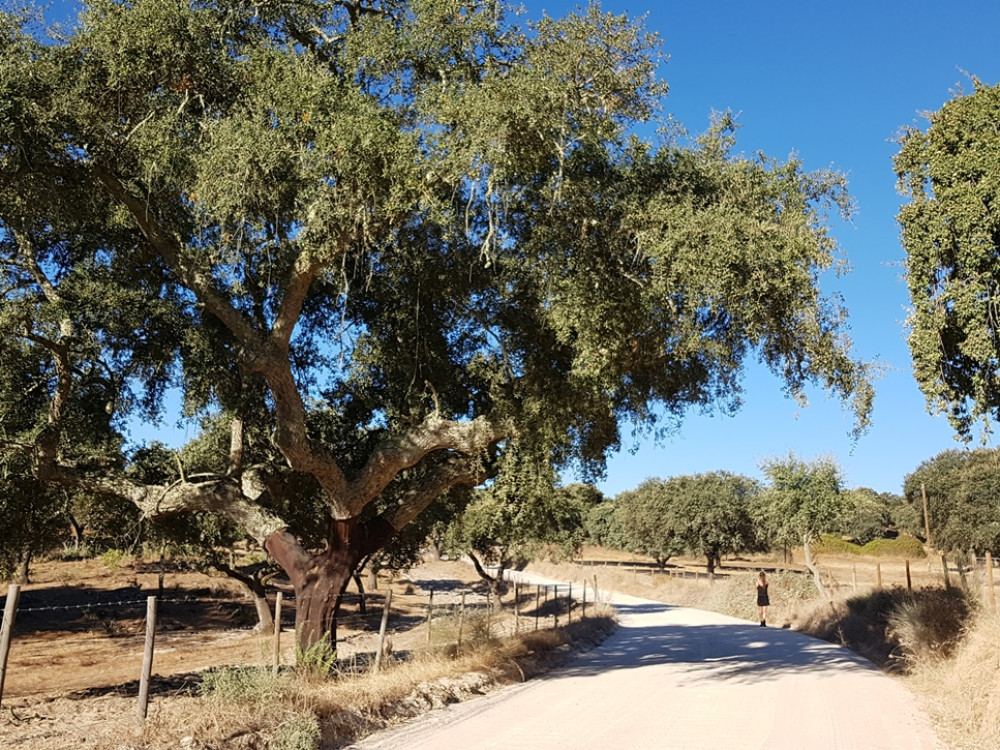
(963, 499)
(397, 238)
(951, 234)
(711, 514)
(802, 501)
(641, 521)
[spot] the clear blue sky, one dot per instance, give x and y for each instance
(832, 82)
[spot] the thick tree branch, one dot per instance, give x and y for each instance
(450, 470)
(195, 279)
(302, 276)
(400, 452)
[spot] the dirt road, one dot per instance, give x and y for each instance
(673, 677)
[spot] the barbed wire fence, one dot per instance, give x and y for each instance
(456, 616)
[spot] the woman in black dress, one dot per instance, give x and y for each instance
(762, 600)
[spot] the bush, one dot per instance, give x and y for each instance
(930, 625)
(113, 558)
(241, 685)
(905, 547)
(300, 731)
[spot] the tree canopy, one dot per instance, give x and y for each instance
(951, 234)
(963, 499)
(803, 500)
(391, 240)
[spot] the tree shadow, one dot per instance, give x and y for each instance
(731, 651)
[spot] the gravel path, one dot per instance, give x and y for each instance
(674, 677)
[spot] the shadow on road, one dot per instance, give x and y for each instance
(743, 652)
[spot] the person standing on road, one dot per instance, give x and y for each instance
(762, 599)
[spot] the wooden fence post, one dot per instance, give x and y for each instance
(147, 656)
(461, 621)
(569, 605)
(595, 592)
(878, 575)
(909, 579)
(944, 565)
(537, 605)
(9, 611)
(583, 602)
(430, 614)
(276, 645)
(989, 579)
(517, 610)
(854, 578)
(381, 630)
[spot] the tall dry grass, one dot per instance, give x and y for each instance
(960, 687)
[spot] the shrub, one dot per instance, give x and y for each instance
(929, 625)
(113, 558)
(300, 731)
(241, 685)
(904, 546)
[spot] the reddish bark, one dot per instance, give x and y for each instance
(320, 578)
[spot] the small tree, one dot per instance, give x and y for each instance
(519, 518)
(642, 517)
(802, 501)
(867, 515)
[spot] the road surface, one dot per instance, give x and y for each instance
(674, 677)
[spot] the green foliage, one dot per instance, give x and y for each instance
(711, 514)
(317, 660)
(113, 558)
(351, 229)
(803, 500)
(866, 517)
(951, 234)
(641, 520)
(963, 499)
(521, 517)
(904, 547)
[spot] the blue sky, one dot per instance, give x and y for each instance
(834, 83)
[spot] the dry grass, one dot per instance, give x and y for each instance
(248, 708)
(960, 692)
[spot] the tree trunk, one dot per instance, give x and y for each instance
(77, 530)
(817, 579)
(362, 606)
(23, 568)
(265, 620)
(320, 578)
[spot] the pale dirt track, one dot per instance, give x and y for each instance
(673, 677)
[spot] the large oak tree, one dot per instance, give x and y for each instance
(397, 238)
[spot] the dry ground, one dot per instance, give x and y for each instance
(76, 651)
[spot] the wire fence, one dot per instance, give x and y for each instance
(458, 615)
